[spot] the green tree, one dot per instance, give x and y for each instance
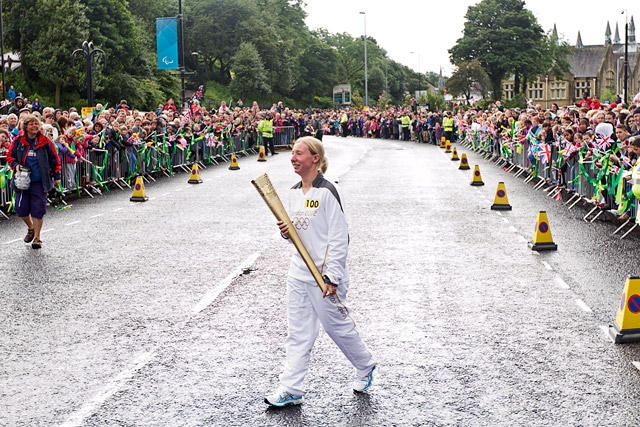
(503, 35)
(50, 52)
(468, 76)
(250, 76)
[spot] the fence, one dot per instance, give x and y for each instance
(107, 168)
(595, 183)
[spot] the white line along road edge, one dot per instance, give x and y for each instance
(213, 294)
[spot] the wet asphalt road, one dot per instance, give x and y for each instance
(138, 314)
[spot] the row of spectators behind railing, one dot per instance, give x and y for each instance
(108, 167)
(585, 176)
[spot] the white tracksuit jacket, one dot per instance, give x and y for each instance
(320, 221)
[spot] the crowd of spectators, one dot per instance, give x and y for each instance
(589, 129)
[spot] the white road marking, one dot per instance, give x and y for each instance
(561, 283)
(523, 239)
(178, 189)
(47, 230)
(117, 209)
(109, 390)
(547, 265)
(605, 329)
(512, 228)
(213, 294)
(152, 198)
(636, 364)
(506, 221)
(498, 213)
(164, 194)
(96, 216)
(583, 306)
(12, 241)
(73, 223)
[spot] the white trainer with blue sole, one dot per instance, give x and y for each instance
(283, 398)
(362, 384)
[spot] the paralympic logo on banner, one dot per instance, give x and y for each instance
(167, 43)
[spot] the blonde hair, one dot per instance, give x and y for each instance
(315, 147)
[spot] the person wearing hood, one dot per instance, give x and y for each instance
(18, 104)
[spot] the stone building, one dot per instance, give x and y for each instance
(595, 69)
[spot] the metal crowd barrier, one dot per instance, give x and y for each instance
(283, 136)
(104, 169)
(575, 184)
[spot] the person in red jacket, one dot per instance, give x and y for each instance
(33, 151)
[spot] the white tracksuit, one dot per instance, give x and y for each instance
(321, 223)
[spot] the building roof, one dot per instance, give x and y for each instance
(586, 61)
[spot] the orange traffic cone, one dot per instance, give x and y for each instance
(194, 178)
(464, 163)
(139, 193)
(477, 178)
(454, 156)
(627, 324)
(262, 157)
(234, 163)
(542, 240)
(501, 201)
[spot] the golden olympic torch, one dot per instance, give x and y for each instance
(270, 196)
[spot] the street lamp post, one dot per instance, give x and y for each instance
(618, 75)
(626, 54)
(366, 83)
(2, 51)
(419, 76)
(89, 52)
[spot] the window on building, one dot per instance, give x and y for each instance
(581, 87)
(558, 90)
(536, 90)
(508, 90)
(610, 77)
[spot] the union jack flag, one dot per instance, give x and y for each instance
(211, 140)
(603, 142)
(134, 139)
(626, 161)
(545, 153)
(4, 103)
(570, 150)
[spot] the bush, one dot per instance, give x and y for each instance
(516, 102)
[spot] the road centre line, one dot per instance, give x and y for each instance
(109, 390)
(513, 229)
(583, 306)
(561, 283)
(73, 223)
(117, 209)
(523, 239)
(605, 330)
(213, 294)
(547, 265)
(164, 194)
(506, 221)
(47, 230)
(636, 364)
(498, 213)
(96, 216)
(13, 241)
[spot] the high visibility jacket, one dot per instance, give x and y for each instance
(406, 121)
(635, 180)
(266, 128)
(344, 118)
(447, 124)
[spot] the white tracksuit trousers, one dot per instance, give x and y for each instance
(307, 310)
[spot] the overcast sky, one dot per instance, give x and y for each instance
(429, 28)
